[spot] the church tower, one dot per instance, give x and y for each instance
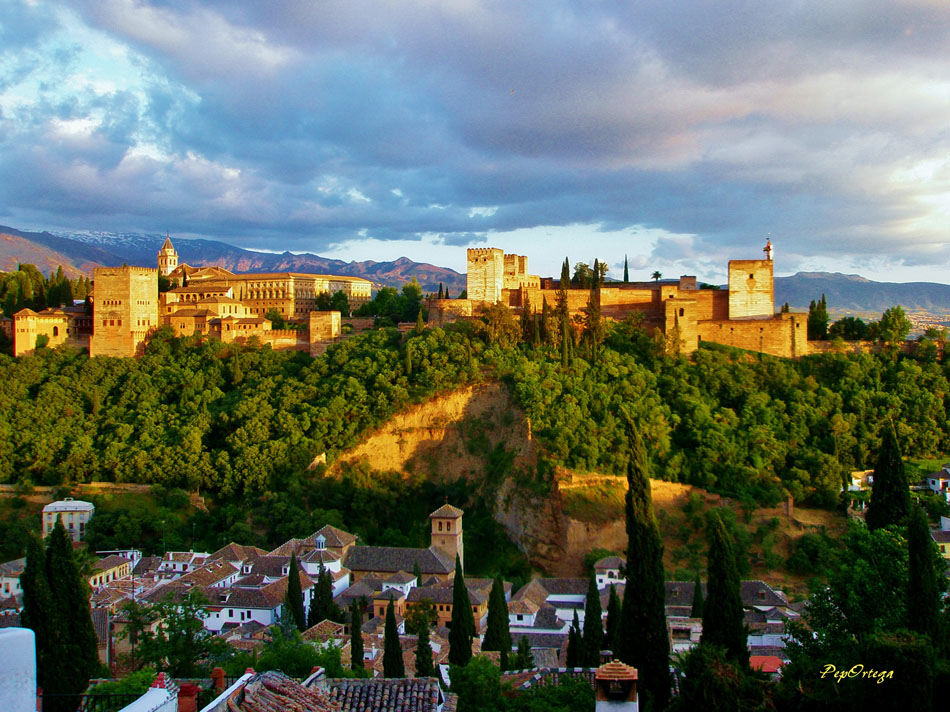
(447, 531)
(167, 258)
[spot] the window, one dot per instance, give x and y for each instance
(751, 276)
(682, 311)
(55, 331)
(520, 617)
(440, 526)
(448, 526)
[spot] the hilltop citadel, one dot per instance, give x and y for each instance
(127, 306)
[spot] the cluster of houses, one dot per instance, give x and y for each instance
(246, 586)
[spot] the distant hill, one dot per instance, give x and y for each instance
(851, 292)
(83, 251)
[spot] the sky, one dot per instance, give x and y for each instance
(681, 134)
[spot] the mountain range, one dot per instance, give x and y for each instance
(80, 252)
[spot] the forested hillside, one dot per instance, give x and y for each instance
(224, 419)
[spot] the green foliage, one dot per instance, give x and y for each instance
(181, 645)
(392, 651)
(644, 642)
(293, 600)
(275, 318)
(37, 614)
(74, 658)
(575, 644)
(462, 626)
(612, 636)
(340, 303)
(813, 555)
(28, 288)
(713, 680)
(723, 624)
(393, 305)
(478, 685)
(593, 641)
(291, 654)
(698, 606)
(135, 683)
(890, 498)
(424, 666)
(818, 319)
(569, 695)
(923, 590)
(356, 638)
(497, 635)
(849, 328)
(894, 326)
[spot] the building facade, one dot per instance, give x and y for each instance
(74, 513)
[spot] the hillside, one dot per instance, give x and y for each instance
(851, 292)
(451, 436)
(81, 252)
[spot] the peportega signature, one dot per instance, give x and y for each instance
(856, 671)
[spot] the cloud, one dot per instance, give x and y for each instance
(311, 124)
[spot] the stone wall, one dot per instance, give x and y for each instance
(783, 335)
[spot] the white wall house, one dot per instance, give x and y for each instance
(74, 513)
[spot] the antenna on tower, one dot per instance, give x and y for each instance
(768, 248)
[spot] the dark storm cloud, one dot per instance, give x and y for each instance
(313, 122)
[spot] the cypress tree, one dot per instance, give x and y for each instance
(462, 627)
(574, 644)
(890, 495)
(420, 325)
(446, 295)
(356, 637)
(408, 361)
(441, 295)
(723, 615)
(293, 598)
(417, 572)
(593, 625)
(565, 345)
(76, 656)
(497, 633)
(643, 634)
(626, 270)
(545, 321)
(560, 304)
(36, 614)
(697, 610)
(612, 639)
(321, 607)
(424, 667)
(923, 589)
(392, 651)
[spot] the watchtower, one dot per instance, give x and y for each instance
(167, 258)
(447, 531)
(124, 309)
(485, 277)
(752, 287)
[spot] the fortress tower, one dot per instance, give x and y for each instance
(124, 309)
(752, 288)
(447, 531)
(167, 258)
(486, 274)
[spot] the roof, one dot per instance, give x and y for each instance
(940, 537)
(616, 670)
(443, 594)
(447, 511)
(69, 505)
(392, 559)
(400, 577)
(335, 538)
(167, 245)
(146, 564)
(100, 622)
(417, 694)
(610, 562)
(110, 562)
(523, 607)
(564, 586)
(273, 690)
(13, 568)
(236, 552)
(210, 573)
(323, 630)
(766, 663)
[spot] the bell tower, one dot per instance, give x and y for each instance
(167, 258)
(447, 531)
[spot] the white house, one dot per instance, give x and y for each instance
(10, 578)
(74, 513)
(607, 571)
(179, 563)
(939, 482)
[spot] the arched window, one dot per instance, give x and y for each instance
(55, 331)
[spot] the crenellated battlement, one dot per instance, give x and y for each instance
(484, 251)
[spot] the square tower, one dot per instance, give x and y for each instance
(486, 274)
(447, 531)
(751, 289)
(124, 309)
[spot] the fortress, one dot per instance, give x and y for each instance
(127, 306)
(743, 315)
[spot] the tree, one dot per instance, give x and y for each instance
(593, 641)
(392, 651)
(723, 616)
(424, 667)
(522, 660)
(478, 685)
(626, 270)
(656, 276)
(923, 590)
(356, 637)
(497, 634)
(818, 319)
(595, 330)
(322, 606)
(293, 598)
(575, 644)
(849, 328)
(560, 302)
(612, 639)
(420, 324)
(340, 303)
(275, 318)
(37, 614)
(182, 644)
(462, 626)
(786, 308)
(643, 634)
(697, 609)
(77, 655)
(441, 294)
(890, 496)
(894, 326)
